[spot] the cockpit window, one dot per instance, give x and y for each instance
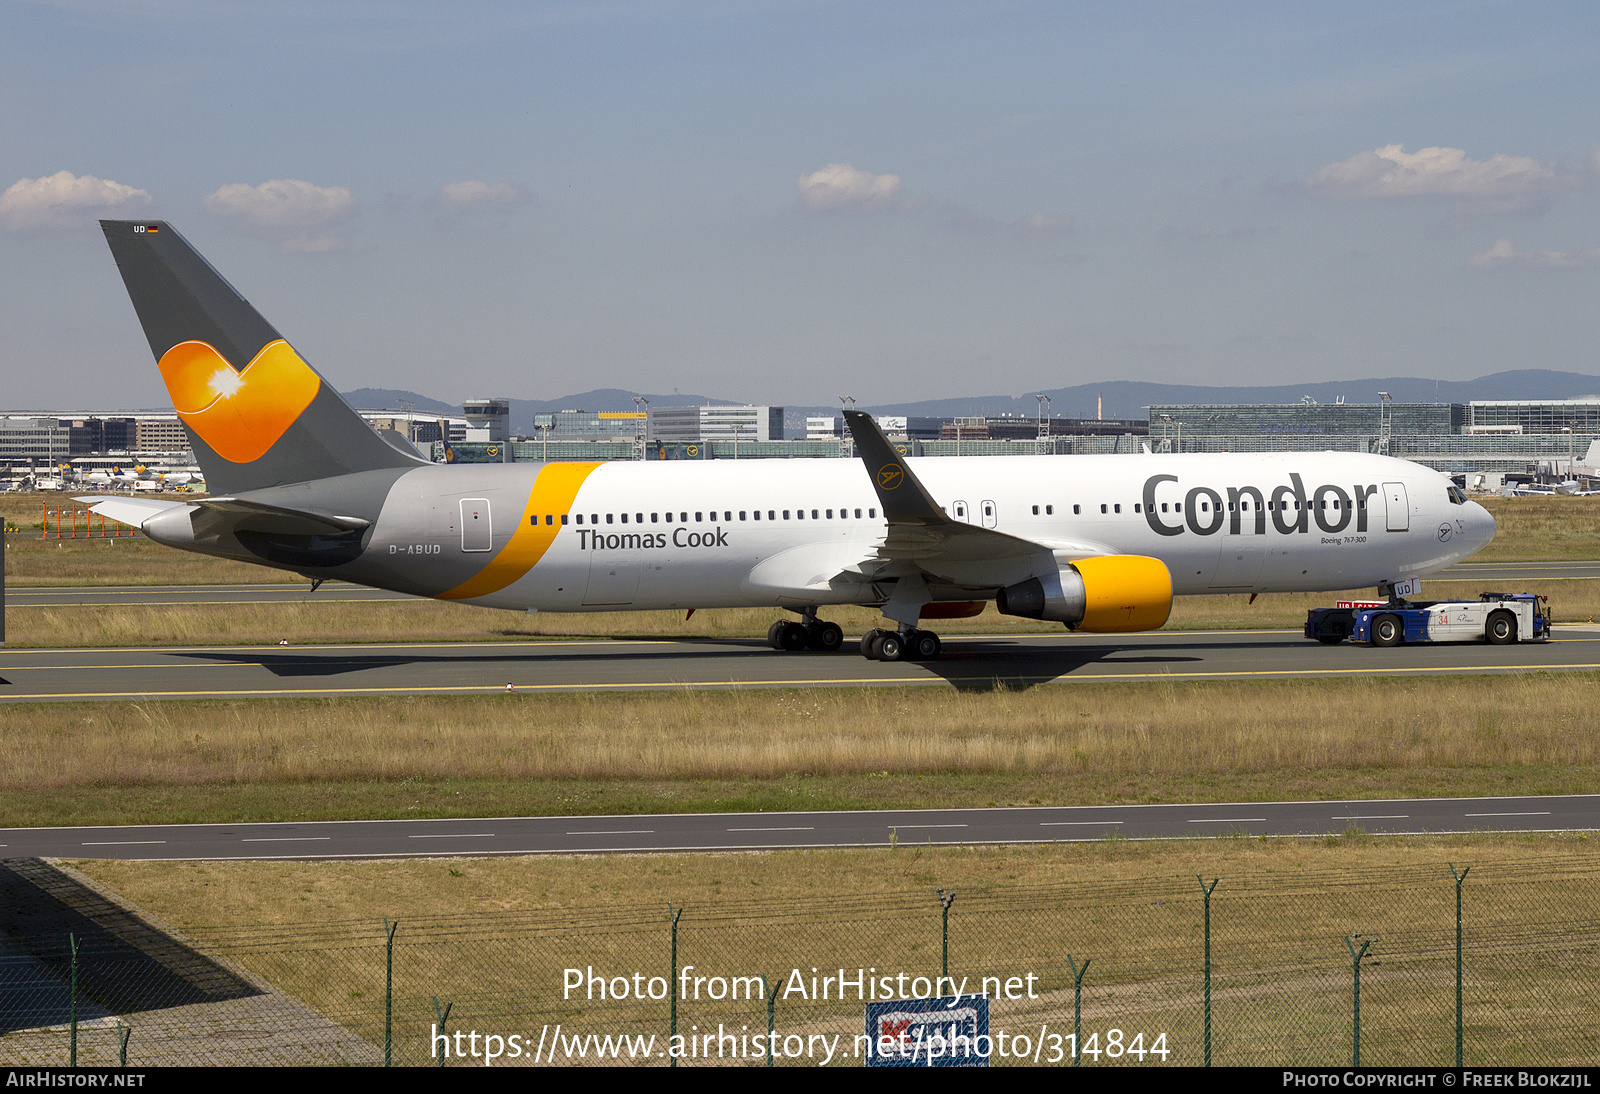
(1458, 496)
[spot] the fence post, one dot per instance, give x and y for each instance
(72, 1003)
(123, 1033)
(945, 902)
(672, 1057)
(1206, 889)
(1355, 960)
(1460, 877)
(1077, 1007)
(440, 1018)
(388, 990)
(771, 992)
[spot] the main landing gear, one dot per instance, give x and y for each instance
(810, 633)
(908, 644)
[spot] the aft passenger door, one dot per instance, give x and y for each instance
(477, 528)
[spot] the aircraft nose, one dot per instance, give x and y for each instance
(1480, 526)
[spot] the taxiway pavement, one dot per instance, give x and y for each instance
(568, 665)
(775, 831)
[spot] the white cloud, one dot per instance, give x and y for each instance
(473, 192)
(1503, 254)
(282, 203)
(1502, 181)
(841, 186)
(59, 198)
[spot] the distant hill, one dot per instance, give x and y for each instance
(1120, 398)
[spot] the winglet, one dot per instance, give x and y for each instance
(905, 500)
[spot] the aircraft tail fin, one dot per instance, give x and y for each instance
(257, 414)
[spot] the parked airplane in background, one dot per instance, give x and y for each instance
(1098, 543)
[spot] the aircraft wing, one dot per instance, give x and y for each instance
(924, 539)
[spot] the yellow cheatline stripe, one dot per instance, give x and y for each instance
(553, 493)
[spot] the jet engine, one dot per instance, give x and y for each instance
(1108, 594)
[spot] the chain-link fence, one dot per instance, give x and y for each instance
(1280, 968)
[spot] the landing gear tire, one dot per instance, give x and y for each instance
(869, 645)
(923, 646)
(1387, 631)
(889, 647)
(1502, 629)
(792, 637)
(825, 637)
(772, 635)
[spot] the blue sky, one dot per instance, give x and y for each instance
(784, 202)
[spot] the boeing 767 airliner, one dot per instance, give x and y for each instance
(1099, 543)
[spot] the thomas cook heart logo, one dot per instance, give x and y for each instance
(891, 475)
(240, 414)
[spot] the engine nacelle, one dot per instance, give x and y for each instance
(1108, 594)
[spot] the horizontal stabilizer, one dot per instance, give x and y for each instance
(130, 511)
(213, 516)
(240, 514)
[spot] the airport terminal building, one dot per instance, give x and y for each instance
(1498, 436)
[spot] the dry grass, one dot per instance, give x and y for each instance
(1543, 529)
(223, 894)
(494, 936)
(122, 561)
(830, 748)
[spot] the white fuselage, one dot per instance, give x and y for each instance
(781, 532)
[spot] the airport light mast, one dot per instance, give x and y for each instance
(640, 425)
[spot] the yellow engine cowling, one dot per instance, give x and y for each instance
(1107, 594)
(1124, 593)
